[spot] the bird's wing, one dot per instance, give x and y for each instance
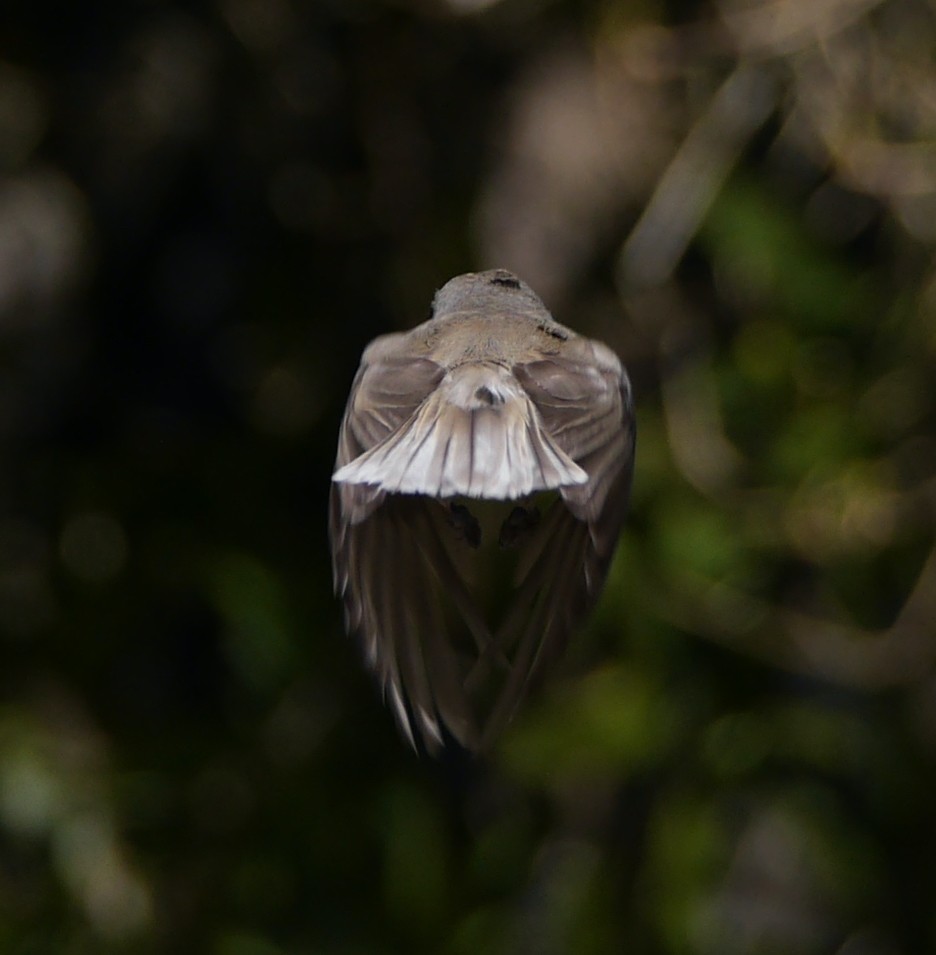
(394, 562)
(583, 398)
(387, 390)
(399, 578)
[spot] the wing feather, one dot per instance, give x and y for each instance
(547, 606)
(583, 399)
(392, 557)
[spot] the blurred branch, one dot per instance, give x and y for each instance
(693, 178)
(813, 646)
(695, 425)
(782, 27)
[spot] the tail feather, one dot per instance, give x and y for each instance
(478, 434)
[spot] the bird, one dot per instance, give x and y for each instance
(482, 477)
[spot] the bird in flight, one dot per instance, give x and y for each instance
(483, 473)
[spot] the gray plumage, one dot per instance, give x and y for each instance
(483, 470)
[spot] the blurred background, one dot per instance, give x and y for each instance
(206, 210)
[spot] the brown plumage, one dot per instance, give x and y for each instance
(483, 471)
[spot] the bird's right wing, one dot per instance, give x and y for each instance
(583, 399)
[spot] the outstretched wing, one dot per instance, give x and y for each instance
(394, 566)
(583, 398)
(387, 389)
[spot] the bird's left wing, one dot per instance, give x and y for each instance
(394, 569)
(389, 386)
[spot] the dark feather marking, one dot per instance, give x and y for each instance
(484, 394)
(554, 331)
(471, 448)
(445, 453)
(505, 279)
(507, 455)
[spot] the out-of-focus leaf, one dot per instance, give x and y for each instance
(613, 721)
(251, 601)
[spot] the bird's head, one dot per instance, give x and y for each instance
(494, 289)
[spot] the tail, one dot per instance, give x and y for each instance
(477, 434)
